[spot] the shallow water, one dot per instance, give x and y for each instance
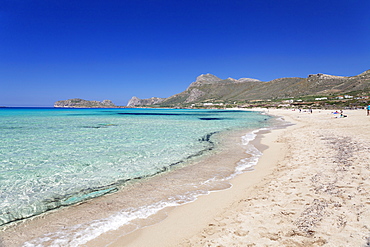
(57, 157)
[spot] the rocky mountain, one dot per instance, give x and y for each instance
(208, 79)
(208, 87)
(81, 103)
(135, 101)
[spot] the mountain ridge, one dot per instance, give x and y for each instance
(208, 87)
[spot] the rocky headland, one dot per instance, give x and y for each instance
(135, 101)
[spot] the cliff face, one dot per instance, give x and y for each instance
(208, 79)
(81, 103)
(135, 101)
(204, 80)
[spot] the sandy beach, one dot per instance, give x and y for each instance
(310, 188)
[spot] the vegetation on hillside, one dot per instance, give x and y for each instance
(315, 91)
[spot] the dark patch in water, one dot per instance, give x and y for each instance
(84, 114)
(10, 128)
(149, 114)
(91, 127)
(205, 138)
(211, 118)
(172, 114)
(223, 111)
(99, 126)
(59, 202)
(107, 125)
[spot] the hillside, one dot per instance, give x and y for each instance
(135, 101)
(210, 88)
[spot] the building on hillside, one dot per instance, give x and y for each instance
(213, 104)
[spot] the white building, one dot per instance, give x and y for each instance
(323, 98)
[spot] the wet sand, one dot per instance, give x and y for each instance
(310, 188)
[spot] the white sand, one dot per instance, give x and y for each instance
(310, 188)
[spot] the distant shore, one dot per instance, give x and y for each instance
(310, 188)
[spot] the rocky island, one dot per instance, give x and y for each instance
(81, 103)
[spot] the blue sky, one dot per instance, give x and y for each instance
(53, 50)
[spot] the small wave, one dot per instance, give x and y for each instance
(250, 162)
(81, 234)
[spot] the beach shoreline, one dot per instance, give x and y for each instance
(196, 215)
(309, 188)
(62, 225)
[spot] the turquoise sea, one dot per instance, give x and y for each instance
(50, 158)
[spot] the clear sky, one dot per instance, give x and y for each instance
(114, 49)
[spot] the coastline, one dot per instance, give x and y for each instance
(185, 221)
(309, 188)
(62, 226)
